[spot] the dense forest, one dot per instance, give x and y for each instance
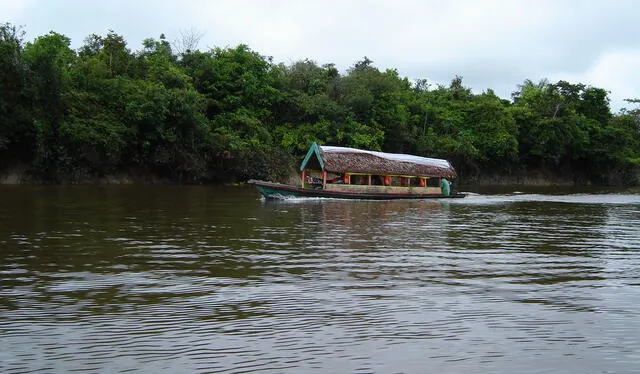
(228, 114)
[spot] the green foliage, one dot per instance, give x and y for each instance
(111, 51)
(16, 132)
(48, 59)
(230, 114)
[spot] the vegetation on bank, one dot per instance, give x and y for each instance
(230, 114)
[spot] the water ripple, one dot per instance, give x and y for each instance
(502, 283)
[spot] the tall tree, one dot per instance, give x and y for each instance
(48, 59)
(16, 133)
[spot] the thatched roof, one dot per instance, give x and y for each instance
(343, 160)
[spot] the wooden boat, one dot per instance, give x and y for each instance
(349, 173)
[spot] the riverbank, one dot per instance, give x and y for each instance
(545, 177)
(21, 174)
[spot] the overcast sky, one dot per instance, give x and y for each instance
(492, 44)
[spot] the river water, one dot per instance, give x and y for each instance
(177, 279)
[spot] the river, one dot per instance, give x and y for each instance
(208, 279)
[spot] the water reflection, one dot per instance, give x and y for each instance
(212, 279)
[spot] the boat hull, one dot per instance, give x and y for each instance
(271, 190)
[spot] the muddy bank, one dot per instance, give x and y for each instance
(21, 174)
(521, 180)
(546, 177)
(14, 175)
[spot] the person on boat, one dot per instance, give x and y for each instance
(445, 187)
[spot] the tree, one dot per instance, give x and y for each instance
(16, 134)
(494, 131)
(48, 59)
(230, 114)
(187, 41)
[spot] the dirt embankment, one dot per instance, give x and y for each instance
(523, 180)
(22, 175)
(14, 175)
(547, 177)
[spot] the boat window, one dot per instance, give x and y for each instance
(363, 179)
(433, 182)
(376, 180)
(313, 177)
(335, 178)
(395, 181)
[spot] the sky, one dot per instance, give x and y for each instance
(495, 44)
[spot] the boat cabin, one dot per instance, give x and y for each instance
(351, 170)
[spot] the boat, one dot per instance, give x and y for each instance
(350, 173)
